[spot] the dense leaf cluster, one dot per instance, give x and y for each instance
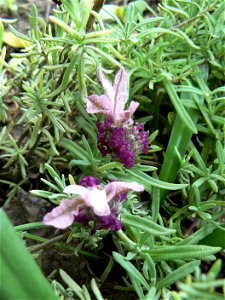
(175, 57)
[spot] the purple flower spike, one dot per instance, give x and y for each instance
(118, 135)
(123, 143)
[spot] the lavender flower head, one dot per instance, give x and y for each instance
(118, 134)
(92, 202)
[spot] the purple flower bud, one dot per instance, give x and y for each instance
(89, 181)
(82, 218)
(112, 222)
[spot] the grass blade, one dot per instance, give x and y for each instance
(22, 277)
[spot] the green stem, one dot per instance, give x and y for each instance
(124, 238)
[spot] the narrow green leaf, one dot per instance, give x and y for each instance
(177, 33)
(143, 168)
(1, 36)
(155, 205)
(51, 171)
(88, 149)
(95, 290)
(79, 162)
(86, 293)
(108, 166)
(176, 10)
(150, 268)
(74, 149)
(183, 252)
(130, 268)
(32, 283)
(148, 181)
(104, 54)
(220, 155)
(42, 194)
(51, 141)
(72, 284)
(209, 284)
(34, 23)
(35, 131)
(178, 274)
(180, 136)
(189, 89)
(50, 184)
(215, 269)
(145, 225)
(52, 118)
(181, 111)
(20, 35)
(194, 293)
(136, 285)
(216, 238)
(197, 236)
(187, 39)
(66, 78)
(29, 226)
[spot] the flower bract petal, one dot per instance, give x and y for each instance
(120, 93)
(98, 200)
(106, 84)
(99, 104)
(62, 216)
(76, 189)
(117, 187)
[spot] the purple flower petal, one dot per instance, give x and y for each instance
(126, 114)
(117, 187)
(98, 200)
(63, 215)
(120, 94)
(92, 203)
(76, 189)
(108, 88)
(112, 104)
(92, 197)
(99, 104)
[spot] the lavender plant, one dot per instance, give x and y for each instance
(168, 92)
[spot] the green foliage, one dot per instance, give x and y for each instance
(175, 56)
(81, 292)
(32, 284)
(9, 4)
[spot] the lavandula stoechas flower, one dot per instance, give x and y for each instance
(92, 202)
(118, 134)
